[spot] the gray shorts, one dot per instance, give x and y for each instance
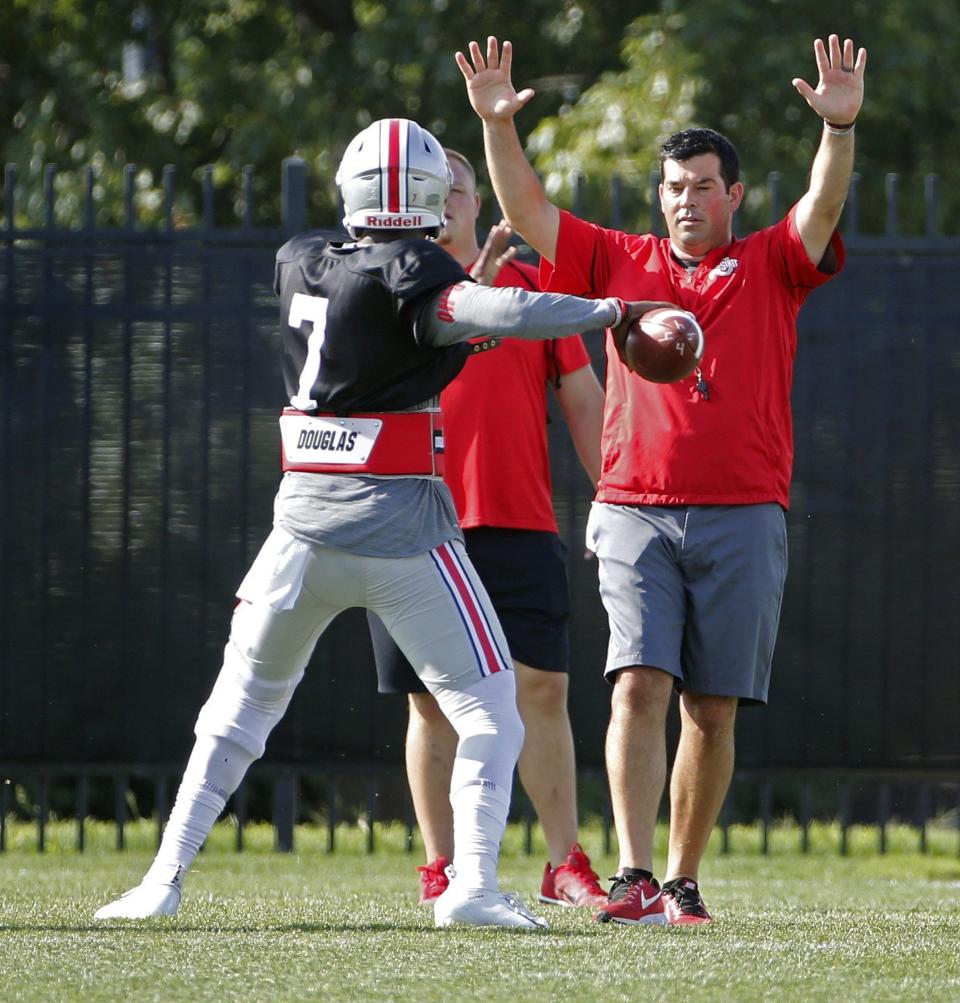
(693, 590)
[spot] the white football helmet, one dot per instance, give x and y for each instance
(394, 176)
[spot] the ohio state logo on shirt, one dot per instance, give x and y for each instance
(726, 267)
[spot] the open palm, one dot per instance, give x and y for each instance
(839, 91)
(489, 87)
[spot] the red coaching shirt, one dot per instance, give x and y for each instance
(669, 444)
(495, 426)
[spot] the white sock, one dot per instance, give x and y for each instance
(213, 773)
(490, 732)
(479, 819)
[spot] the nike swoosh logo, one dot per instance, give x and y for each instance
(645, 902)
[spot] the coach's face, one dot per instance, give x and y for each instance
(697, 204)
(462, 208)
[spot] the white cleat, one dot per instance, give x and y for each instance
(144, 901)
(481, 907)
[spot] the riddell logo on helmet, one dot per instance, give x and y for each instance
(404, 222)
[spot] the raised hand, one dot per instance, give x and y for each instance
(489, 87)
(839, 92)
(494, 254)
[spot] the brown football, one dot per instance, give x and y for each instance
(664, 345)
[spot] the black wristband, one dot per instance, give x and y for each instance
(838, 130)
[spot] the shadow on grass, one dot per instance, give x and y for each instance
(168, 927)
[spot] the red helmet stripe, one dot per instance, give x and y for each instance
(393, 166)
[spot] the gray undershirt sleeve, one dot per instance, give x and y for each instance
(467, 310)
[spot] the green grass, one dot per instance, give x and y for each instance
(312, 926)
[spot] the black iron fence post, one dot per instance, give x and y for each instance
(293, 195)
(284, 810)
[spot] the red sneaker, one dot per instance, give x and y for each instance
(433, 880)
(684, 903)
(573, 883)
(633, 899)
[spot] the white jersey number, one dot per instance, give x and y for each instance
(313, 309)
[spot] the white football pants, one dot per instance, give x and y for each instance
(439, 614)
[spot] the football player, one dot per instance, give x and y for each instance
(372, 329)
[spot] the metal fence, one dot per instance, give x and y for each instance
(139, 389)
(367, 796)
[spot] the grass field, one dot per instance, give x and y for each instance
(261, 926)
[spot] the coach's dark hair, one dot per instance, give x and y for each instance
(682, 146)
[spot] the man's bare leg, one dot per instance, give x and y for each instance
(637, 759)
(431, 746)
(547, 763)
(701, 776)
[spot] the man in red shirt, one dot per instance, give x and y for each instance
(497, 468)
(688, 521)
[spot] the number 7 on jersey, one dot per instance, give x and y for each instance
(313, 309)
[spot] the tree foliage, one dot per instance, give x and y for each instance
(234, 82)
(728, 65)
(226, 83)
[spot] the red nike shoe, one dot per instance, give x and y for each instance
(573, 883)
(633, 899)
(684, 903)
(433, 880)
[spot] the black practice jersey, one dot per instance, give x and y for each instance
(349, 323)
